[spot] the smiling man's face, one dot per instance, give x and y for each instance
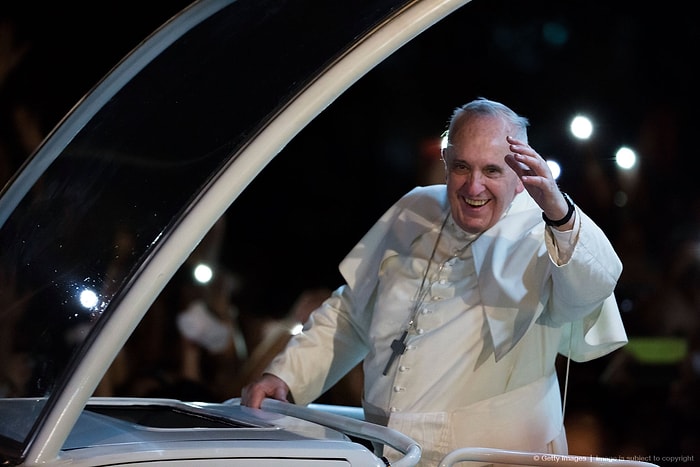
(480, 185)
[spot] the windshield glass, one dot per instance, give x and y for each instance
(73, 237)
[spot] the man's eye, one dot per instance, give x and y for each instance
(460, 169)
(493, 171)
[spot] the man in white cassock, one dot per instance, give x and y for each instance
(459, 299)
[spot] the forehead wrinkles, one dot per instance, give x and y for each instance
(475, 127)
(479, 136)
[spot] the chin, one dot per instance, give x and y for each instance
(471, 227)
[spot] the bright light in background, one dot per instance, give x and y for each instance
(555, 168)
(625, 158)
(88, 298)
(581, 127)
(203, 273)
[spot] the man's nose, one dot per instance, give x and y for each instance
(473, 183)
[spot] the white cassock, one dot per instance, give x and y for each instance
(491, 314)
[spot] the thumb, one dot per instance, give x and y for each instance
(281, 394)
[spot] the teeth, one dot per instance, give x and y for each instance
(475, 202)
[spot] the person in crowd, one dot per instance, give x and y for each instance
(459, 299)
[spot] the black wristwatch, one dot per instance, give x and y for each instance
(564, 219)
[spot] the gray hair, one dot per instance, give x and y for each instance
(485, 107)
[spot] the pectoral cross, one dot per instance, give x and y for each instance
(398, 347)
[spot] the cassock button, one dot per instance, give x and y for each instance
(420, 331)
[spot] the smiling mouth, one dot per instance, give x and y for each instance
(475, 203)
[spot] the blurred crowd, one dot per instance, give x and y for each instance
(196, 344)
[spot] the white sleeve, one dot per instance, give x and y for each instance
(329, 346)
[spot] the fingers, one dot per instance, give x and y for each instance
(518, 167)
(252, 396)
(281, 393)
(531, 168)
(254, 393)
(534, 173)
(526, 159)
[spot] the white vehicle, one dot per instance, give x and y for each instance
(161, 148)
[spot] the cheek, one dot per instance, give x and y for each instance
(519, 187)
(451, 180)
(512, 186)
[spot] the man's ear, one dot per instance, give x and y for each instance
(444, 161)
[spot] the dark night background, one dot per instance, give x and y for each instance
(628, 65)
